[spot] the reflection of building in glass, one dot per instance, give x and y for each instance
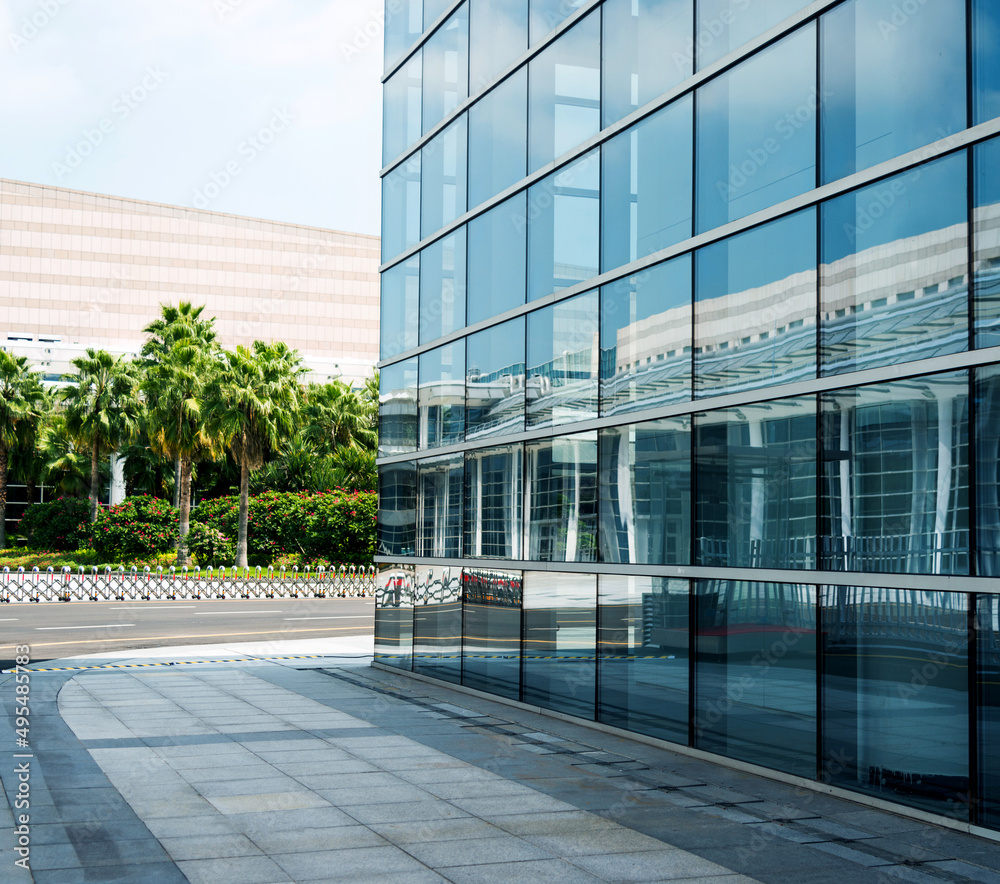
(83, 270)
(730, 342)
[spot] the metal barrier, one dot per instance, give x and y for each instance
(199, 583)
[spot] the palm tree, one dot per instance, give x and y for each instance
(336, 416)
(354, 469)
(174, 386)
(254, 403)
(102, 409)
(22, 404)
(182, 323)
(65, 467)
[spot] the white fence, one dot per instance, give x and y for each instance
(66, 585)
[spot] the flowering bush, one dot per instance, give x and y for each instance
(61, 524)
(138, 527)
(210, 546)
(333, 526)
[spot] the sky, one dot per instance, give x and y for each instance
(266, 108)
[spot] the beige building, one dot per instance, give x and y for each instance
(83, 270)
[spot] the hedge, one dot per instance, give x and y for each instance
(137, 527)
(333, 527)
(61, 524)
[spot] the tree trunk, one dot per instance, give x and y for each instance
(4, 455)
(241, 535)
(177, 482)
(95, 466)
(183, 556)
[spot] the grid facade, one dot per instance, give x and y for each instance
(692, 308)
(82, 270)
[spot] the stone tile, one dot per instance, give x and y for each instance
(552, 823)
(234, 870)
(476, 851)
(214, 824)
(209, 847)
(396, 813)
(147, 873)
(615, 840)
(266, 802)
(347, 864)
(487, 808)
(312, 840)
(650, 865)
(552, 871)
(398, 794)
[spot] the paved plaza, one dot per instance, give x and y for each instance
(319, 768)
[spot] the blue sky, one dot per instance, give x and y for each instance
(268, 108)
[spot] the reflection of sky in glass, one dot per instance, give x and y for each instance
(889, 86)
(401, 109)
(987, 243)
(443, 177)
(497, 259)
(399, 297)
(725, 25)
(498, 34)
(546, 15)
(986, 59)
(446, 69)
(498, 135)
(442, 287)
(757, 133)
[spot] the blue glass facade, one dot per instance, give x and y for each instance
(690, 383)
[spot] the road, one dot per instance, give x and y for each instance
(55, 630)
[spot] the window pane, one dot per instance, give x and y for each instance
(888, 86)
(401, 109)
(394, 616)
(433, 10)
(443, 178)
(646, 204)
(647, 50)
(442, 395)
(401, 208)
(646, 338)
(643, 641)
(985, 60)
(896, 477)
(493, 499)
(893, 278)
(988, 470)
(896, 695)
(565, 92)
(437, 623)
(446, 68)
(439, 506)
(491, 649)
(498, 138)
(499, 33)
(442, 287)
(725, 25)
(986, 258)
(564, 227)
(756, 141)
(988, 639)
(494, 381)
(560, 633)
(498, 254)
(756, 480)
(397, 509)
(562, 499)
(399, 307)
(563, 362)
(402, 27)
(646, 493)
(755, 310)
(546, 15)
(397, 408)
(755, 673)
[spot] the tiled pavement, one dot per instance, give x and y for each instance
(261, 773)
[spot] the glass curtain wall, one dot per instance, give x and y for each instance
(491, 644)
(437, 622)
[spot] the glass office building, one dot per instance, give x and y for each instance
(690, 418)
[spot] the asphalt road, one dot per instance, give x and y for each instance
(54, 629)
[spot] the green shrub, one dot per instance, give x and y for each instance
(210, 546)
(137, 528)
(61, 524)
(335, 526)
